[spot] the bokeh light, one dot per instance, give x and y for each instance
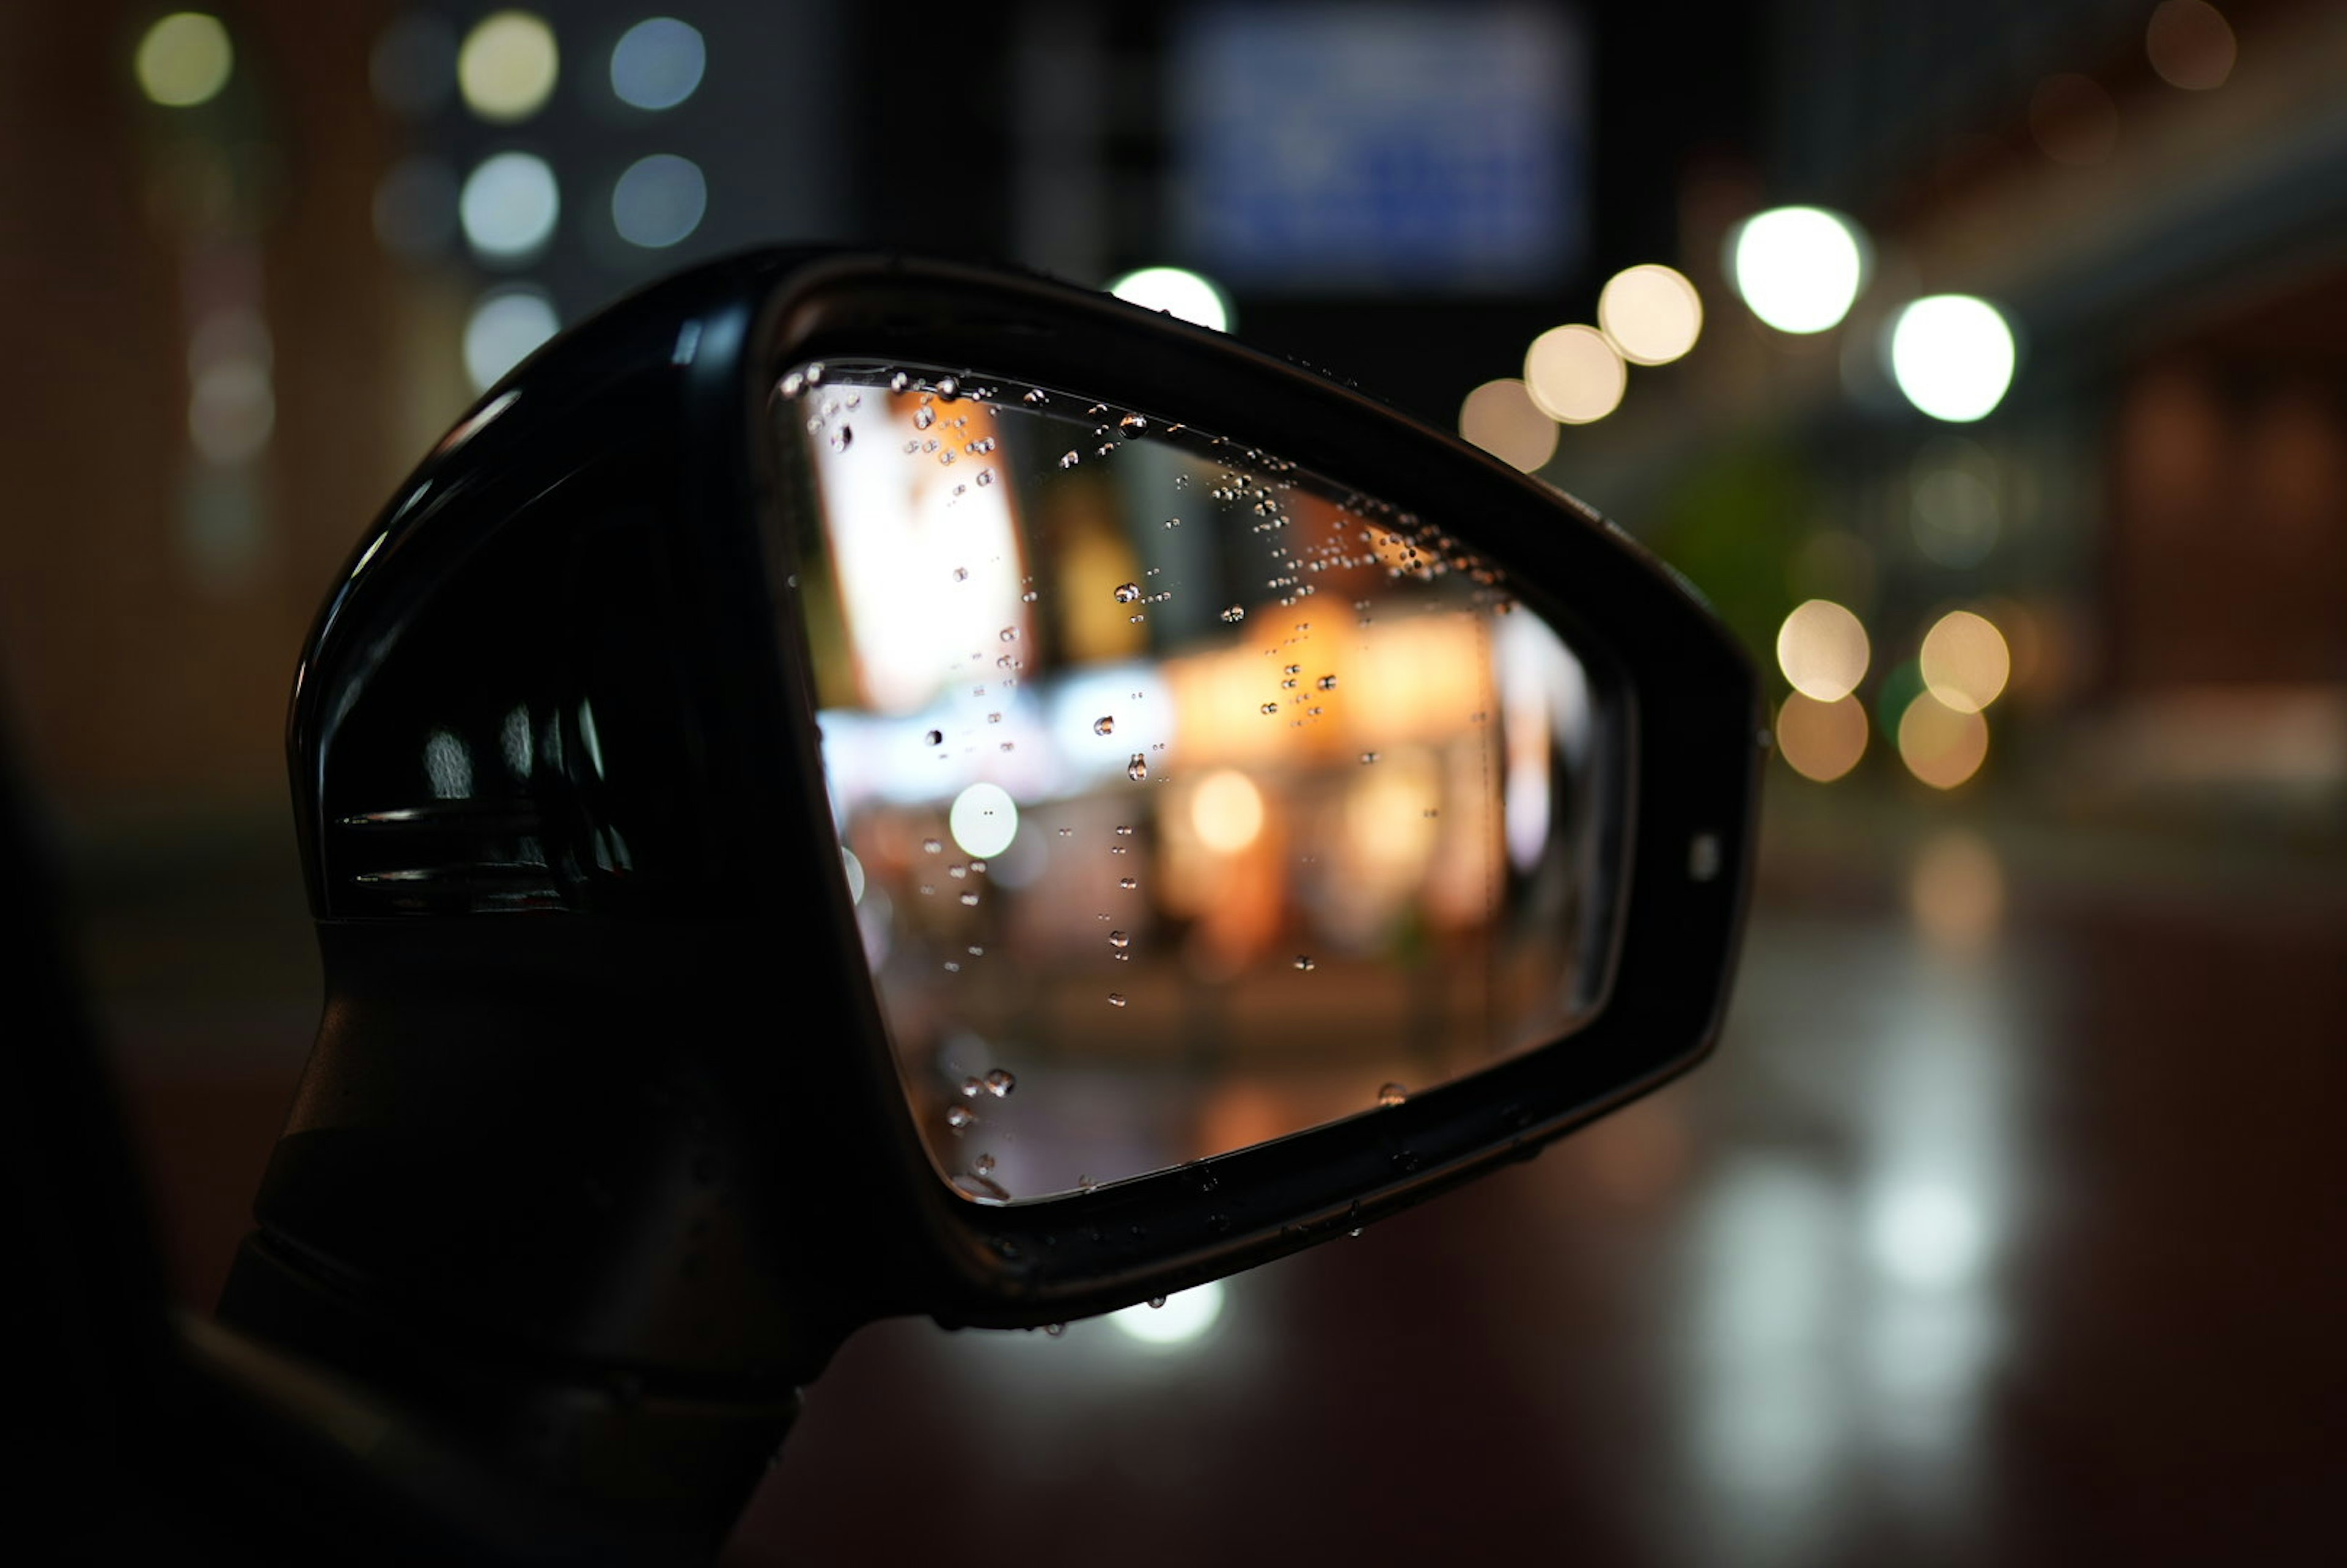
(1940, 745)
(506, 325)
(1955, 892)
(508, 67)
(658, 201)
(1953, 356)
(1226, 811)
(1179, 292)
(658, 63)
(1501, 418)
(184, 59)
(2191, 45)
(983, 820)
(509, 205)
(1574, 375)
(1184, 1316)
(1966, 661)
(1821, 740)
(413, 65)
(1799, 268)
(1822, 649)
(1652, 312)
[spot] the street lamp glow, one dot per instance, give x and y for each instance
(1799, 268)
(1179, 292)
(1953, 356)
(184, 59)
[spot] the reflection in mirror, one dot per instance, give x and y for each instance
(1188, 799)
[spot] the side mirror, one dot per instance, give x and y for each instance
(850, 786)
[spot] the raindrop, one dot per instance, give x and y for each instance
(900, 382)
(1137, 768)
(1172, 522)
(1304, 961)
(1085, 1183)
(793, 384)
(1291, 669)
(1368, 757)
(1127, 883)
(1181, 481)
(933, 846)
(958, 1117)
(1327, 682)
(971, 899)
(1000, 1082)
(1156, 1301)
(1271, 708)
(1034, 394)
(994, 718)
(1124, 830)
(1067, 833)
(841, 437)
(1104, 725)
(1055, 1329)
(924, 416)
(1009, 634)
(970, 1087)
(986, 476)
(948, 387)
(937, 737)
(1116, 998)
(1118, 939)
(1029, 597)
(976, 952)
(983, 1164)
(1234, 614)
(1132, 422)
(1069, 459)
(1126, 593)
(961, 574)
(1392, 1094)
(1105, 448)
(952, 968)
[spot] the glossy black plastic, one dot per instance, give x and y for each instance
(601, 1131)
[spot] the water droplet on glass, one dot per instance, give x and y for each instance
(924, 416)
(937, 737)
(986, 476)
(1304, 961)
(1069, 459)
(900, 382)
(1000, 1082)
(953, 966)
(1290, 669)
(1156, 1301)
(983, 1164)
(971, 899)
(1392, 1094)
(994, 718)
(1327, 682)
(1132, 422)
(948, 387)
(1181, 481)
(1104, 448)
(1137, 768)
(1034, 394)
(1009, 634)
(1234, 614)
(977, 868)
(1104, 725)
(1055, 1329)
(1368, 757)
(1116, 998)
(1126, 593)
(841, 437)
(793, 384)
(1127, 883)
(1085, 1183)
(1029, 597)
(1119, 939)
(1067, 832)
(961, 574)
(958, 1117)
(976, 952)
(933, 846)
(971, 1087)
(1270, 708)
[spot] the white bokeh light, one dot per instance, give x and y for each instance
(1953, 356)
(1184, 1317)
(509, 205)
(1799, 268)
(658, 63)
(983, 820)
(1179, 292)
(505, 326)
(658, 201)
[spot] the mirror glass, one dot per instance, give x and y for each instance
(1188, 799)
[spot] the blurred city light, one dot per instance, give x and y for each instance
(658, 201)
(184, 59)
(1821, 740)
(509, 205)
(1928, 1237)
(1574, 375)
(1226, 811)
(508, 67)
(505, 325)
(1184, 1317)
(983, 820)
(1799, 268)
(413, 65)
(658, 63)
(1940, 745)
(1652, 312)
(1966, 661)
(1179, 292)
(1953, 356)
(1822, 649)
(1955, 892)
(1501, 418)
(2191, 44)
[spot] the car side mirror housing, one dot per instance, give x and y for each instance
(851, 785)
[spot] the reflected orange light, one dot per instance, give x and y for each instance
(1940, 745)
(1501, 418)
(1822, 649)
(1821, 740)
(1964, 661)
(1574, 374)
